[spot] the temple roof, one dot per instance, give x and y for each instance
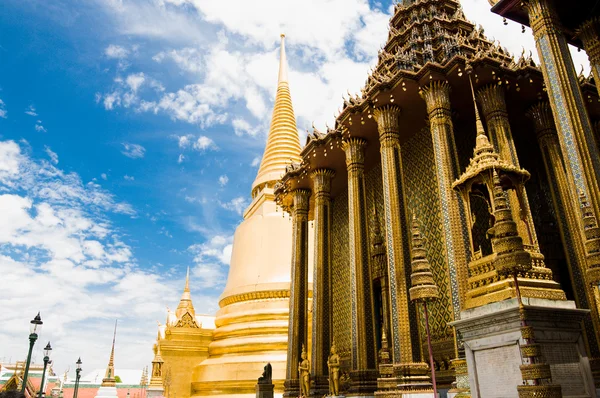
(283, 143)
(185, 304)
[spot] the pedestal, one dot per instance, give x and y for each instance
(107, 392)
(155, 392)
(491, 336)
(264, 390)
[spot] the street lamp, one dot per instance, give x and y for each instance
(78, 373)
(35, 328)
(47, 352)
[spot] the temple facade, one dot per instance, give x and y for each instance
(466, 180)
(448, 221)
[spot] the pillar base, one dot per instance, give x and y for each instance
(413, 377)
(595, 365)
(492, 335)
(460, 388)
(319, 386)
(291, 388)
(363, 383)
(264, 390)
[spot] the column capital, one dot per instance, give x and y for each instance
(388, 119)
(354, 148)
(436, 95)
(491, 98)
(301, 200)
(543, 121)
(588, 32)
(322, 181)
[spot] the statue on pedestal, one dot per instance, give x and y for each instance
(267, 376)
(304, 372)
(333, 363)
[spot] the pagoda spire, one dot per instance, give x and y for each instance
(109, 377)
(283, 142)
(185, 304)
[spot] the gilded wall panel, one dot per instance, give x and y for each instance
(340, 279)
(422, 200)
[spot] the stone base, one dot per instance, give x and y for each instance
(319, 387)
(363, 383)
(291, 388)
(107, 392)
(264, 390)
(155, 392)
(492, 337)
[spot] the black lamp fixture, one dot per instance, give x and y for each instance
(35, 327)
(47, 352)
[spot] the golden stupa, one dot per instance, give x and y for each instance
(251, 326)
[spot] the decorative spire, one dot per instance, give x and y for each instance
(592, 241)
(482, 143)
(185, 304)
(156, 380)
(283, 143)
(423, 286)
(511, 255)
(109, 376)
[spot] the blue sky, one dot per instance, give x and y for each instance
(130, 134)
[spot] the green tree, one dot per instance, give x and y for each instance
(118, 379)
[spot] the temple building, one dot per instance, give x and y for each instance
(204, 356)
(463, 175)
(454, 204)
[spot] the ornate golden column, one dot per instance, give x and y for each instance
(321, 321)
(406, 356)
(447, 168)
(589, 32)
(575, 133)
(364, 372)
(492, 101)
(570, 223)
(298, 323)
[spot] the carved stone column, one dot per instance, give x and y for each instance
(589, 32)
(447, 168)
(566, 206)
(492, 101)
(298, 322)
(364, 372)
(575, 133)
(321, 324)
(406, 357)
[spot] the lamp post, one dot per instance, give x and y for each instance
(78, 375)
(47, 352)
(35, 327)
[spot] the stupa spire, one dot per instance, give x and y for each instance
(283, 143)
(185, 304)
(109, 376)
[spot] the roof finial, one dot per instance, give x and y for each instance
(187, 280)
(478, 123)
(283, 71)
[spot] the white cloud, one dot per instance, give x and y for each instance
(104, 176)
(39, 128)
(56, 233)
(53, 156)
(241, 127)
(3, 109)
(203, 143)
(236, 205)
(115, 51)
(111, 100)
(212, 258)
(188, 59)
(133, 151)
(255, 162)
(181, 158)
(31, 111)
(135, 81)
(128, 178)
(223, 180)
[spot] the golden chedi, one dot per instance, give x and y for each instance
(252, 322)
